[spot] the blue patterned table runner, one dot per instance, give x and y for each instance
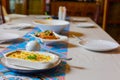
(58, 73)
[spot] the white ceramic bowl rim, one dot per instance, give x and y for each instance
(52, 22)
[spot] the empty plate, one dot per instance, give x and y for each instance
(8, 36)
(14, 16)
(86, 24)
(24, 24)
(99, 45)
(20, 26)
(42, 17)
(79, 19)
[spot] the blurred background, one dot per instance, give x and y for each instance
(107, 12)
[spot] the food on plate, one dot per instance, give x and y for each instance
(30, 56)
(46, 35)
(31, 59)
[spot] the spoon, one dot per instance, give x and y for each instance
(77, 37)
(67, 59)
(81, 41)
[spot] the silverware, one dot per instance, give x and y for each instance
(81, 41)
(77, 37)
(67, 59)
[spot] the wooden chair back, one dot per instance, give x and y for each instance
(83, 9)
(2, 20)
(33, 7)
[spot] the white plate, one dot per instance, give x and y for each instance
(79, 19)
(25, 69)
(86, 25)
(42, 17)
(24, 24)
(100, 45)
(8, 36)
(61, 38)
(20, 26)
(13, 16)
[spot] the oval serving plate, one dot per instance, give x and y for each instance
(8, 36)
(27, 69)
(20, 69)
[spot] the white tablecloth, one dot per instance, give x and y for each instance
(86, 65)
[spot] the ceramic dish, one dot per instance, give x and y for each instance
(31, 59)
(53, 25)
(99, 45)
(8, 36)
(24, 25)
(60, 38)
(43, 17)
(14, 16)
(79, 19)
(20, 69)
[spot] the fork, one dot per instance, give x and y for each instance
(77, 37)
(81, 41)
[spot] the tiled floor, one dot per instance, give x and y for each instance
(114, 31)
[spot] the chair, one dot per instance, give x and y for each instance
(11, 16)
(84, 9)
(2, 20)
(30, 7)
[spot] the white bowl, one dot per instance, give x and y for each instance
(54, 25)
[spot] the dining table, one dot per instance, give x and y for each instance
(86, 64)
